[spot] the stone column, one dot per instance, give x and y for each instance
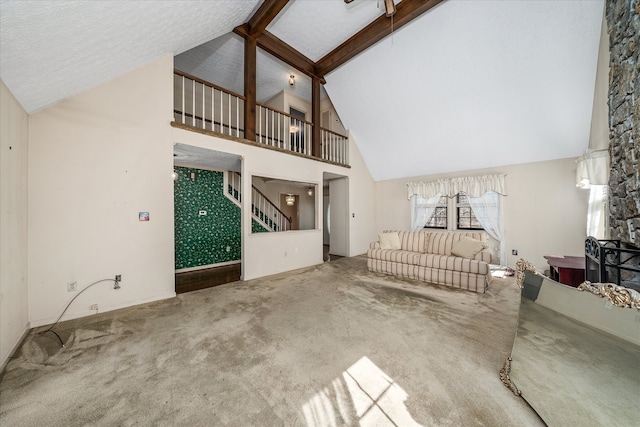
(623, 19)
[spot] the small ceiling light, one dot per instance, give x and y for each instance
(389, 8)
(290, 199)
(310, 191)
(292, 80)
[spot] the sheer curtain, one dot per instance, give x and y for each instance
(592, 173)
(485, 195)
(488, 210)
(422, 209)
(596, 217)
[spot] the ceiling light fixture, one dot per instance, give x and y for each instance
(290, 199)
(389, 8)
(292, 80)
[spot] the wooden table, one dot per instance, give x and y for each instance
(568, 270)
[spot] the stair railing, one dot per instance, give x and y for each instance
(263, 210)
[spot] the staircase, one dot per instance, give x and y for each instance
(263, 210)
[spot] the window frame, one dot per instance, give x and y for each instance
(471, 217)
(438, 210)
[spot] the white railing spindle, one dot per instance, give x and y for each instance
(183, 100)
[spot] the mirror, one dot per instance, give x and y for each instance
(576, 354)
(281, 205)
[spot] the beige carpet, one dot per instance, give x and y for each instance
(322, 346)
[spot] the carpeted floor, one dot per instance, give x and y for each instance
(322, 346)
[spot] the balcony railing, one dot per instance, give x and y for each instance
(335, 147)
(206, 106)
(203, 105)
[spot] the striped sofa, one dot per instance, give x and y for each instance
(426, 256)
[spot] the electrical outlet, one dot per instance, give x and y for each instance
(514, 252)
(94, 307)
(118, 277)
(72, 286)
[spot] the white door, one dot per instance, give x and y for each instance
(339, 216)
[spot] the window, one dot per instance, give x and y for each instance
(439, 217)
(465, 218)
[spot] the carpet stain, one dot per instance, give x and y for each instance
(309, 347)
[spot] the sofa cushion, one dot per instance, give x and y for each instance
(389, 240)
(467, 247)
(394, 255)
(447, 262)
(415, 241)
(441, 243)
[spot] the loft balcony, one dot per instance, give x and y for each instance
(203, 106)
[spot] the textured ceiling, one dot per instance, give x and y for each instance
(315, 27)
(50, 50)
(188, 155)
(221, 61)
(469, 84)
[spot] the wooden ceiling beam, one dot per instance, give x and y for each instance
(264, 15)
(406, 11)
(276, 47)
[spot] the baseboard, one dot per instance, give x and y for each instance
(5, 357)
(103, 309)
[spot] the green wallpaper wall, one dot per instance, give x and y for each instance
(203, 239)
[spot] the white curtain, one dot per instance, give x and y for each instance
(592, 173)
(476, 186)
(427, 190)
(592, 168)
(422, 209)
(487, 208)
(596, 217)
(473, 186)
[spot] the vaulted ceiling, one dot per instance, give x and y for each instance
(468, 84)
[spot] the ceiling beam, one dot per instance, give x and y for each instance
(276, 47)
(264, 15)
(406, 11)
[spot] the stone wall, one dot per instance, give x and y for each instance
(623, 19)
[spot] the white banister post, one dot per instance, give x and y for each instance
(204, 116)
(193, 102)
(237, 117)
(183, 100)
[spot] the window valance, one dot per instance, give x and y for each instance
(592, 168)
(473, 186)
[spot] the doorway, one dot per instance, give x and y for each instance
(335, 200)
(207, 219)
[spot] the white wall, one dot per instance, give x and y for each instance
(544, 211)
(599, 135)
(270, 253)
(95, 161)
(14, 136)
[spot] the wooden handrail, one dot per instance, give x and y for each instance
(335, 133)
(206, 83)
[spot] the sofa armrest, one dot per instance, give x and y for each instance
(374, 245)
(485, 255)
